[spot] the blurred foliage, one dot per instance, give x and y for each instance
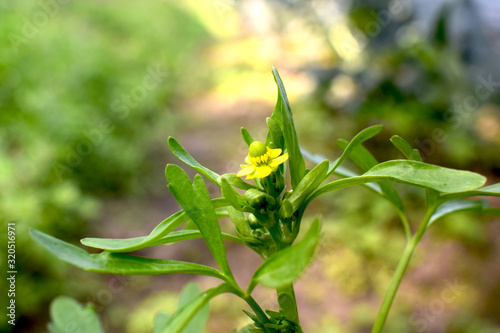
(86, 96)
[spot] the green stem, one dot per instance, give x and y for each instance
(253, 305)
(400, 271)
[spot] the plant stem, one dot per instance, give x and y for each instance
(400, 271)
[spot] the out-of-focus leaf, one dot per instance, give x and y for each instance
(195, 200)
(69, 316)
(365, 160)
(184, 156)
(296, 161)
(178, 321)
(457, 206)
(405, 148)
(118, 263)
(287, 265)
(361, 137)
(160, 320)
(199, 320)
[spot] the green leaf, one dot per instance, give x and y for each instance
(427, 175)
(414, 173)
(160, 320)
(137, 243)
(199, 320)
(365, 160)
(184, 156)
(308, 184)
(69, 316)
(246, 136)
(236, 181)
(287, 265)
(457, 206)
(195, 201)
(341, 171)
(118, 263)
(405, 148)
(296, 161)
(361, 137)
(178, 321)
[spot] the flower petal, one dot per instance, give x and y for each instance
(246, 169)
(275, 162)
(262, 171)
(273, 153)
(247, 160)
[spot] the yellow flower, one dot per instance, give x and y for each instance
(261, 161)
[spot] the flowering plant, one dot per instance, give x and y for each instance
(267, 219)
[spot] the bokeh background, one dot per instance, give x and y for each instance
(90, 91)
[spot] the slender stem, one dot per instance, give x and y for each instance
(406, 225)
(400, 271)
(254, 305)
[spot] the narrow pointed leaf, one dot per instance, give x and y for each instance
(137, 243)
(296, 161)
(117, 263)
(361, 137)
(69, 316)
(246, 136)
(365, 160)
(404, 147)
(178, 321)
(195, 200)
(184, 156)
(287, 265)
(160, 320)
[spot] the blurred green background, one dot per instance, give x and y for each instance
(90, 92)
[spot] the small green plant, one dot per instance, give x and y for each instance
(267, 219)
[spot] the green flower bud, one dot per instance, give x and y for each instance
(257, 199)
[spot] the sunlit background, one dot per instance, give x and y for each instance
(90, 91)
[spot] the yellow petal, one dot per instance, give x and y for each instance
(262, 171)
(247, 160)
(247, 169)
(275, 162)
(273, 153)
